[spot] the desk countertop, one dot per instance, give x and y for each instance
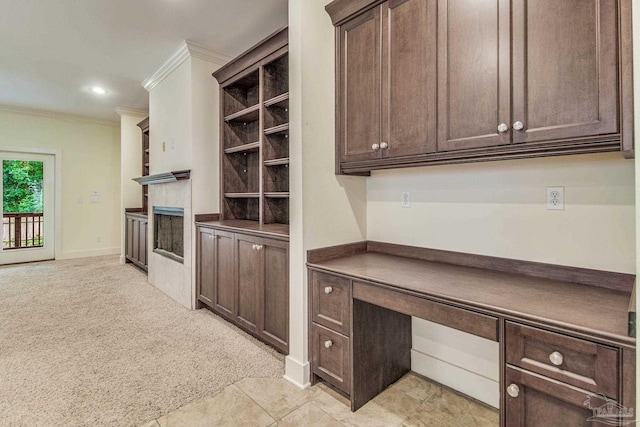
(590, 310)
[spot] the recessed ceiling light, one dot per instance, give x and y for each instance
(98, 90)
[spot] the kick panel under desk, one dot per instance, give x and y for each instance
(562, 331)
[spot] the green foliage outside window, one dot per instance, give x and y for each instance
(22, 186)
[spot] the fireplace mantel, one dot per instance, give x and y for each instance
(163, 178)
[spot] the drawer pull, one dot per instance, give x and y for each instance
(328, 289)
(556, 358)
(328, 343)
(513, 390)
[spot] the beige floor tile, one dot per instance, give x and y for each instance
(277, 396)
(370, 415)
(397, 402)
(416, 386)
(230, 407)
(152, 423)
(308, 415)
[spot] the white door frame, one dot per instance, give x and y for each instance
(57, 155)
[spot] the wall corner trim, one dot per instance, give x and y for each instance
(132, 112)
(187, 49)
(297, 373)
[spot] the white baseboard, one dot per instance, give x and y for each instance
(123, 259)
(297, 373)
(481, 388)
(88, 254)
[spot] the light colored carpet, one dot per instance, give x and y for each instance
(90, 342)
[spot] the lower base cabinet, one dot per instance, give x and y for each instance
(136, 240)
(245, 279)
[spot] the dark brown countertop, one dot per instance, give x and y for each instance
(591, 310)
(273, 231)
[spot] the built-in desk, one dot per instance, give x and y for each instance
(562, 331)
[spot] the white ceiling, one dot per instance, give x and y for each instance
(52, 51)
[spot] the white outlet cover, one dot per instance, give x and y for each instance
(555, 198)
(406, 199)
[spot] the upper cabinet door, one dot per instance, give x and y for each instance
(474, 74)
(409, 77)
(359, 95)
(565, 70)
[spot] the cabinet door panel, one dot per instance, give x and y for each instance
(473, 68)
(142, 256)
(225, 295)
(129, 240)
(135, 249)
(205, 271)
(409, 77)
(360, 87)
(565, 69)
(543, 402)
(248, 276)
(274, 295)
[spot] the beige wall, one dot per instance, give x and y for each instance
(90, 161)
(499, 209)
(325, 209)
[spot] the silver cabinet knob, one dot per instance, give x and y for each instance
(375, 147)
(503, 127)
(513, 390)
(556, 358)
(328, 343)
(518, 125)
(328, 289)
(257, 247)
(253, 246)
(384, 145)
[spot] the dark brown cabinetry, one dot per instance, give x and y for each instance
(563, 354)
(245, 278)
(444, 81)
(136, 239)
(254, 105)
(387, 84)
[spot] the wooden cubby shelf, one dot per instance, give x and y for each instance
(250, 114)
(277, 195)
(254, 146)
(241, 195)
(254, 134)
(281, 101)
(277, 162)
(277, 129)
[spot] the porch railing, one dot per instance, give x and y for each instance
(22, 230)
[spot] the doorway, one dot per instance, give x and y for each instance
(27, 189)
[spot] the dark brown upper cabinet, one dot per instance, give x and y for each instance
(423, 82)
(387, 83)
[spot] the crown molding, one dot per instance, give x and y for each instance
(187, 49)
(56, 115)
(132, 112)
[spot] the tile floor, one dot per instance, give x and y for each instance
(263, 402)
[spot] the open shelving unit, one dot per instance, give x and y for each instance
(144, 127)
(254, 105)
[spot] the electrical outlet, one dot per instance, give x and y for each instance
(98, 239)
(555, 198)
(406, 199)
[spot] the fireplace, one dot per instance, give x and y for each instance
(168, 232)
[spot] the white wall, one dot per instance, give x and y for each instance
(130, 167)
(170, 122)
(205, 137)
(325, 210)
(90, 161)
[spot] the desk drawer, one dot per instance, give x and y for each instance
(590, 366)
(330, 357)
(331, 306)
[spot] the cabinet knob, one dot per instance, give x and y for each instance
(384, 145)
(513, 390)
(556, 358)
(518, 125)
(255, 247)
(375, 147)
(328, 343)
(328, 289)
(258, 247)
(503, 127)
